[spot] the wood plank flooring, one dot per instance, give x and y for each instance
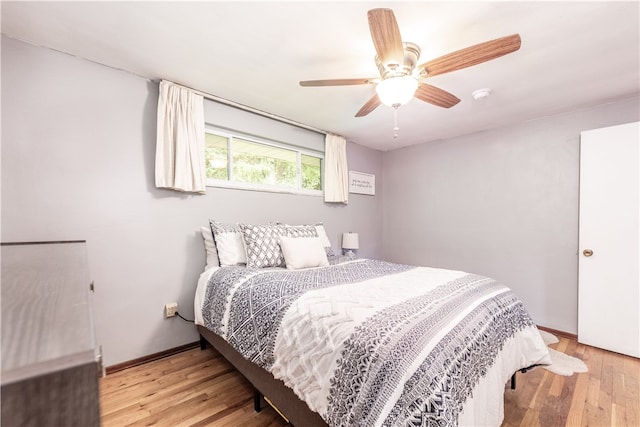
(200, 388)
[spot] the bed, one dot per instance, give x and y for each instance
(361, 342)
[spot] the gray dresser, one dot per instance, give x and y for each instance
(50, 361)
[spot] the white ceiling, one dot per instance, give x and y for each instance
(573, 54)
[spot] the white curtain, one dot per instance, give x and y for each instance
(336, 171)
(180, 161)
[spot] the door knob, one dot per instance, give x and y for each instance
(587, 252)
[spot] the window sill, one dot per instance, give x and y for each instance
(263, 188)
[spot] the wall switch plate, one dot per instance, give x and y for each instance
(171, 309)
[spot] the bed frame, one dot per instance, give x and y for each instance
(278, 395)
(275, 393)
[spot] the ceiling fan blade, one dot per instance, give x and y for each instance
(436, 96)
(338, 82)
(369, 106)
(471, 55)
(386, 36)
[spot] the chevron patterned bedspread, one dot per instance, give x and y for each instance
(368, 343)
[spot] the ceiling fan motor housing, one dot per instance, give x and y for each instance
(411, 56)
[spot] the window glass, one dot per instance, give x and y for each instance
(216, 156)
(311, 172)
(264, 164)
(236, 161)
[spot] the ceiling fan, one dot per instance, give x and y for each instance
(400, 80)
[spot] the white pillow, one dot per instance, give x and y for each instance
(322, 234)
(229, 243)
(303, 252)
(210, 247)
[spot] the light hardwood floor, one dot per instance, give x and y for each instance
(200, 388)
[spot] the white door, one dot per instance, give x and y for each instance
(609, 241)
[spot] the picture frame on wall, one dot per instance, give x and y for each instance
(362, 183)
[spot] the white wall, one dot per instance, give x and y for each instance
(502, 203)
(78, 149)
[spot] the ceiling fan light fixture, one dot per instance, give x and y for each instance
(396, 91)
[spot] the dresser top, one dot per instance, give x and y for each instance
(46, 311)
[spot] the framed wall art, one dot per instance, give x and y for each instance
(362, 183)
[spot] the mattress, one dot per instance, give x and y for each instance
(367, 342)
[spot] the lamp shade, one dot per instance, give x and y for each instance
(350, 241)
(397, 90)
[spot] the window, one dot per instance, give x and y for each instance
(234, 160)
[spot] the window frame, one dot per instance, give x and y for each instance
(241, 185)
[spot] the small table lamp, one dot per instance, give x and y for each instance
(349, 243)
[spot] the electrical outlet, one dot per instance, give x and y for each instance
(171, 309)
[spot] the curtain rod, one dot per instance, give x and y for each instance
(251, 109)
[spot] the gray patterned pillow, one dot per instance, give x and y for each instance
(263, 244)
(301, 231)
(318, 230)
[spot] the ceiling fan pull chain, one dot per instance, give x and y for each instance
(395, 122)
